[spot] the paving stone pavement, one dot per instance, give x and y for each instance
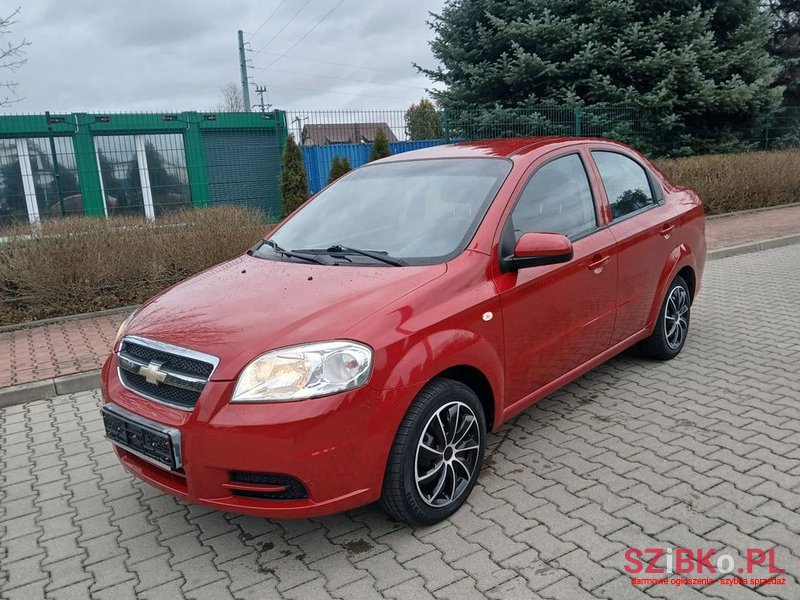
(744, 227)
(700, 452)
(55, 349)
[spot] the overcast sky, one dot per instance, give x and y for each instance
(126, 55)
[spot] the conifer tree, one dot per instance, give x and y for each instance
(784, 44)
(380, 147)
(424, 122)
(700, 67)
(339, 166)
(293, 179)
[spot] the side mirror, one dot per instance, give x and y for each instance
(537, 249)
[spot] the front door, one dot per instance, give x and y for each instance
(557, 317)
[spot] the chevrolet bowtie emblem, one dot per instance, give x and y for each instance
(152, 373)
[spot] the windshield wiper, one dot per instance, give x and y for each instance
(380, 256)
(293, 254)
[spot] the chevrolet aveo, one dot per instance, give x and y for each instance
(365, 348)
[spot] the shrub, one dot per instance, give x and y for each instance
(380, 147)
(424, 122)
(339, 166)
(293, 178)
(730, 182)
(81, 264)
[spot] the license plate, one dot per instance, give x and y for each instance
(150, 441)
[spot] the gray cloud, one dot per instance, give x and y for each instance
(157, 55)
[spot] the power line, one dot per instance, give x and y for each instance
(292, 87)
(306, 34)
(325, 42)
(281, 30)
(272, 14)
(331, 62)
(417, 87)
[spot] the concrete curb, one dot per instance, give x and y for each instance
(754, 247)
(48, 388)
(65, 318)
(751, 211)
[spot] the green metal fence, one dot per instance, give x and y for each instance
(55, 165)
(650, 131)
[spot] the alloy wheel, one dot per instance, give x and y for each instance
(676, 316)
(447, 454)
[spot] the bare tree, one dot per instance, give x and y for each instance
(12, 57)
(231, 98)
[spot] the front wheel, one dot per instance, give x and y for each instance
(672, 326)
(437, 454)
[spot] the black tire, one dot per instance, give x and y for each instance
(401, 497)
(665, 343)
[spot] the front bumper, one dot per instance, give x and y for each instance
(335, 446)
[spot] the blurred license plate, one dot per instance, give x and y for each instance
(140, 437)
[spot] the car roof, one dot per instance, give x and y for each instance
(496, 148)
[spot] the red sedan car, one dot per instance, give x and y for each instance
(363, 351)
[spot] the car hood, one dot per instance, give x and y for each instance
(244, 307)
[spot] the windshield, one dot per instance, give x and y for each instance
(419, 211)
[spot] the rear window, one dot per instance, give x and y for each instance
(625, 181)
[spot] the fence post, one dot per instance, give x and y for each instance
(578, 114)
(766, 134)
(195, 160)
(54, 159)
(446, 119)
(86, 166)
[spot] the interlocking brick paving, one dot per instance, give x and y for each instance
(55, 349)
(700, 452)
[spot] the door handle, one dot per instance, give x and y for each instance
(667, 229)
(599, 263)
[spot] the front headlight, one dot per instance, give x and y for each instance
(306, 371)
(122, 328)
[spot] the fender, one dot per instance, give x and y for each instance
(429, 355)
(414, 366)
(680, 257)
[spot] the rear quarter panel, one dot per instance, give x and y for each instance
(690, 241)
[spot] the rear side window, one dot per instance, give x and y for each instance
(556, 199)
(626, 183)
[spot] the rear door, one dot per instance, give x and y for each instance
(642, 225)
(557, 317)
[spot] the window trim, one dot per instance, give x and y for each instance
(577, 152)
(655, 190)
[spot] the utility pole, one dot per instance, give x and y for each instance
(299, 120)
(260, 90)
(243, 69)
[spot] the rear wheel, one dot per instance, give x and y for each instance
(672, 326)
(436, 455)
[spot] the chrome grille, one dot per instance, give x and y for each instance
(164, 373)
(170, 360)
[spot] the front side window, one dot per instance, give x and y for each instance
(557, 199)
(419, 211)
(625, 181)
